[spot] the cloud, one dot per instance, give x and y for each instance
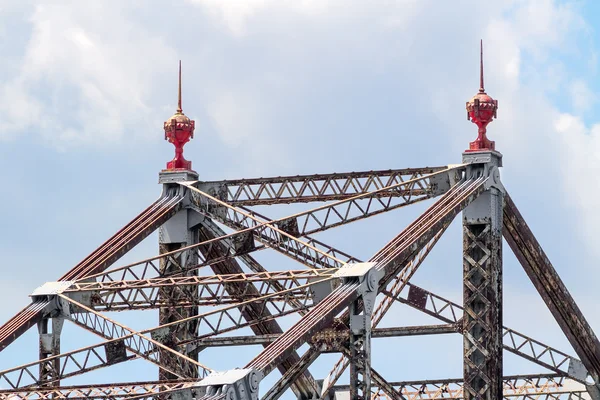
(82, 80)
(236, 14)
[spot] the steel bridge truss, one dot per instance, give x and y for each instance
(207, 285)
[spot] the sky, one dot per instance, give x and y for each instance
(297, 87)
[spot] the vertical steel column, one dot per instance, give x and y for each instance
(360, 311)
(178, 232)
(482, 282)
(50, 346)
(360, 352)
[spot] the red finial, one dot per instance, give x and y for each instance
(481, 109)
(179, 129)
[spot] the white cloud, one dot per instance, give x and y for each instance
(235, 14)
(82, 80)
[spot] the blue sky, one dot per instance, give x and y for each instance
(294, 87)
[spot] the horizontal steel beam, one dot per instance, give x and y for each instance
(514, 387)
(391, 261)
(513, 341)
(317, 187)
(189, 291)
(113, 249)
(376, 333)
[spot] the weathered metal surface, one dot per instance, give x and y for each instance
(113, 249)
(193, 290)
(390, 260)
(482, 320)
(551, 288)
(304, 386)
(249, 298)
(160, 349)
(514, 387)
(513, 341)
(395, 287)
(103, 391)
(328, 339)
(319, 187)
(482, 278)
(172, 311)
(49, 346)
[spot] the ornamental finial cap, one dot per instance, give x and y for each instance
(179, 129)
(481, 110)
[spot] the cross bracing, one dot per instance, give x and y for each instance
(337, 298)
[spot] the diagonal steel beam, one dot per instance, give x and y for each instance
(291, 375)
(321, 218)
(513, 341)
(391, 260)
(149, 349)
(304, 386)
(551, 288)
(337, 214)
(396, 286)
(113, 351)
(113, 249)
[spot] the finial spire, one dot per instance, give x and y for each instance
(481, 87)
(481, 110)
(179, 110)
(179, 129)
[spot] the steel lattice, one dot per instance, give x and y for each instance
(204, 294)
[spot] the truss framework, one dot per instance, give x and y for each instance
(330, 297)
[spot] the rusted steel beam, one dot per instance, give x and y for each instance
(318, 187)
(311, 252)
(551, 288)
(396, 286)
(416, 330)
(113, 351)
(268, 233)
(219, 281)
(282, 234)
(149, 268)
(513, 387)
(291, 375)
(173, 311)
(391, 261)
(482, 298)
(113, 249)
(173, 362)
(513, 341)
(377, 333)
(49, 345)
(304, 386)
(102, 391)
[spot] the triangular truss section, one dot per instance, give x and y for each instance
(204, 295)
